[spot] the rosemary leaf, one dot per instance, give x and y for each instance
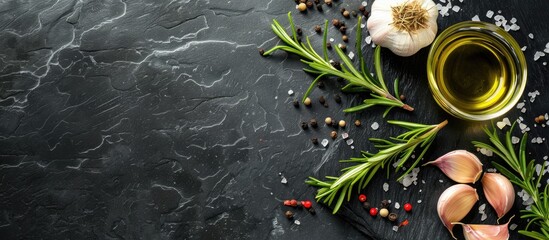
(340, 187)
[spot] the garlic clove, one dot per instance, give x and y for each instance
(460, 166)
(499, 192)
(455, 203)
(484, 231)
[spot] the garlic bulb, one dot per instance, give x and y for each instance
(455, 203)
(403, 26)
(499, 192)
(460, 166)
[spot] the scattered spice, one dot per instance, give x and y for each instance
(287, 203)
(319, 7)
(392, 217)
(407, 207)
(329, 45)
(336, 22)
(289, 214)
(373, 212)
(318, 29)
(358, 123)
(362, 198)
(313, 123)
(307, 102)
(322, 100)
(328, 2)
(302, 7)
(293, 203)
(299, 31)
(328, 121)
(384, 212)
(337, 98)
(343, 29)
(314, 141)
(304, 125)
(385, 203)
(404, 223)
(361, 8)
(342, 10)
(402, 97)
(306, 204)
(295, 102)
(333, 134)
(342, 123)
(346, 14)
(345, 38)
(309, 4)
(261, 51)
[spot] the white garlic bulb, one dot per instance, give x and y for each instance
(403, 26)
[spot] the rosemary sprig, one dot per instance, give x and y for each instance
(401, 147)
(358, 81)
(520, 171)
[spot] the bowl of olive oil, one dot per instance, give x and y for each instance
(476, 71)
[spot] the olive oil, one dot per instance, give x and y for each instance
(474, 74)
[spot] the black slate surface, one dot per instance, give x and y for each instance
(159, 120)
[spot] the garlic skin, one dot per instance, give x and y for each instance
(460, 166)
(403, 26)
(484, 231)
(499, 192)
(455, 203)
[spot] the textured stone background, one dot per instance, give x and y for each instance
(159, 120)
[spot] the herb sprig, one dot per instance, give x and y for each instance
(520, 171)
(358, 81)
(401, 147)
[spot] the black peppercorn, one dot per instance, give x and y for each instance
(318, 29)
(299, 31)
(336, 64)
(343, 29)
(337, 98)
(295, 102)
(289, 214)
(392, 217)
(322, 100)
(314, 141)
(319, 7)
(313, 123)
(329, 45)
(366, 205)
(304, 125)
(384, 203)
(354, 13)
(261, 51)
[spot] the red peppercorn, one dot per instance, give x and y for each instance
(293, 203)
(287, 203)
(404, 223)
(407, 207)
(373, 212)
(362, 198)
(306, 204)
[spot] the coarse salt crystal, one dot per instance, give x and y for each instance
(419, 201)
(368, 39)
(375, 125)
(290, 92)
(515, 140)
(545, 157)
(506, 28)
(520, 105)
(475, 18)
(440, 180)
(544, 63)
(395, 228)
(364, 3)
(538, 54)
(283, 180)
(362, 25)
(507, 121)
(385, 187)
(513, 20)
(397, 205)
(513, 226)
(500, 125)
(523, 110)
(297, 222)
(324, 142)
(491, 170)
(523, 48)
(531, 35)
(483, 217)
(332, 40)
(482, 207)
(489, 14)
(345, 135)
(349, 141)
(522, 126)
(351, 55)
(455, 8)
(515, 27)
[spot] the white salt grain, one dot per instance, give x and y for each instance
(395, 228)
(513, 20)
(324, 142)
(507, 121)
(368, 39)
(351, 55)
(538, 55)
(531, 36)
(375, 125)
(345, 135)
(500, 125)
(491, 170)
(482, 207)
(419, 201)
(455, 8)
(515, 27)
(523, 48)
(364, 3)
(489, 14)
(349, 141)
(475, 18)
(515, 140)
(385, 187)
(397, 205)
(332, 40)
(297, 222)
(520, 105)
(441, 180)
(513, 226)
(284, 180)
(483, 217)
(290, 92)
